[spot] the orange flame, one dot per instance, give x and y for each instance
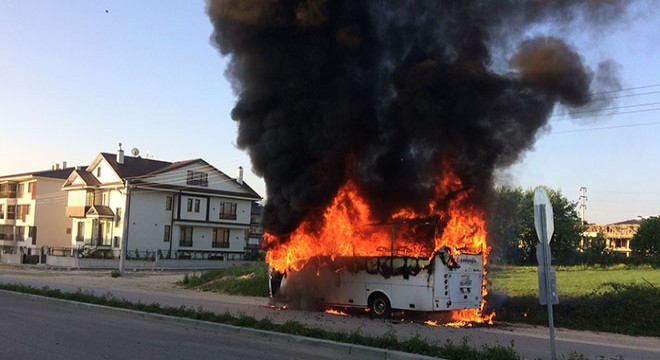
(347, 229)
(335, 312)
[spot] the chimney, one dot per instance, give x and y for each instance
(57, 166)
(120, 155)
(239, 175)
(63, 164)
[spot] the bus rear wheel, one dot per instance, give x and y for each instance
(380, 306)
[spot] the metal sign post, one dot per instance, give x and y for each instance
(545, 226)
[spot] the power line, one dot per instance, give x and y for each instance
(606, 128)
(570, 115)
(627, 89)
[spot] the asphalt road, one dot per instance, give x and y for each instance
(34, 328)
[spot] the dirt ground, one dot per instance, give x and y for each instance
(160, 287)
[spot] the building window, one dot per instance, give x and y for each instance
(220, 238)
(2, 212)
(8, 191)
(185, 238)
(99, 198)
(11, 212)
(98, 172)
(32, 189)
(80, 233)
(19, 190)
(189, 207)
(168, 203)
(20, 233)
(228, 211)
(117, 216)
(197, 178)
(25, 209)
(166, 233)
(89, 198)
(197, 205)
(22, 211)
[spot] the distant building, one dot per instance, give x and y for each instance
(185, 209)
(32, 211)
(617, 236)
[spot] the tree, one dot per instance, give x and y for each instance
(504, 227)
(646, 241)
(511, 226)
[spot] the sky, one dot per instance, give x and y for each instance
(79, 77)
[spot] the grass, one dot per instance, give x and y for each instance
(416, 345)
(247, 280)
(571, 281)
(617, 299)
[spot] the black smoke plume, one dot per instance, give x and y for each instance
(391, 93)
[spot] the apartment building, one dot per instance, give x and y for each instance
(32, 211)
(173, 209)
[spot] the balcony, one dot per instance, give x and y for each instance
(9, 237)
(76, 211)
(8, 221)
(7, 194)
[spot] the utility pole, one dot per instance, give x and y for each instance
(124, 236)
(583, 205)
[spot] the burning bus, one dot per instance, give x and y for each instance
(385, 283)
(412, 263)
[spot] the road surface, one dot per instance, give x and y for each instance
(37, 328)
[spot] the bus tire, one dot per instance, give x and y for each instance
(379, 306)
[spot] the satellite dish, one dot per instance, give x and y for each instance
(135, 151)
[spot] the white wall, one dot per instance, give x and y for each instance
(217, 180)
(193, 215)
(76, 197)
(148, 218)
(108, 174)
(243, 209)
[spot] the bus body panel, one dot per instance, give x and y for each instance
(447, 283)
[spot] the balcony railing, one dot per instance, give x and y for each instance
(7, 194)
(7, 237)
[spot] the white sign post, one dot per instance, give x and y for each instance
(545, 226)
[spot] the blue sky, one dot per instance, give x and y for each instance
(76, 80)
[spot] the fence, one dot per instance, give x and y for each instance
(143, 259)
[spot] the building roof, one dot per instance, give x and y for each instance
(134, 166)
(88, 178)
(55, 174)
(629, 222)
(141, 168)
